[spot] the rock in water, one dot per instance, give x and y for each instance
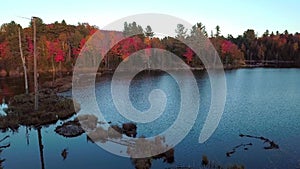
(129, 129)
(70, 129)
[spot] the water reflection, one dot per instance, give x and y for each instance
(41, 148)
(3, 147)
(114, 133)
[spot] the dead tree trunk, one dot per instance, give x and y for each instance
(23, 62)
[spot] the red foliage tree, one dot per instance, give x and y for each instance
(59, 57)
(226, 47)
(50, 47)
(230, 52)
(3, 48)
(30, 45)
(188, 55)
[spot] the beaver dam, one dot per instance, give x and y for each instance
(51, 109)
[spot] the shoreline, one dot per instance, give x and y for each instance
(66, 73)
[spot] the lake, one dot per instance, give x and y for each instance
(260, 102)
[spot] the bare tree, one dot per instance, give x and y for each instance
(23, 61)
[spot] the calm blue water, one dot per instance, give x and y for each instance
(260, 102)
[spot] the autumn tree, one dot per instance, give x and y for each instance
(10, 48)
(188, 55)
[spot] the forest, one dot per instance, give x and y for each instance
(59, 44)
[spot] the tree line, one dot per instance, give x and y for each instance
(59, 45)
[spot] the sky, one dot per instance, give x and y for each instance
(233, 16)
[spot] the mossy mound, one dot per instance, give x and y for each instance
(51, 109)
